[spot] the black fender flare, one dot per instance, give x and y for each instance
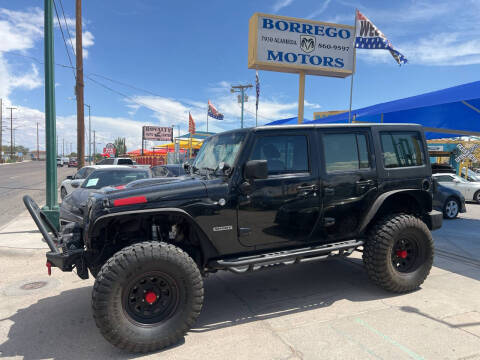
(208, 249)
(424, 196)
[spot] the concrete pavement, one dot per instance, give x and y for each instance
(322, 310)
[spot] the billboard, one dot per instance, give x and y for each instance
(110, 150)
(157, 133)
(285, 44)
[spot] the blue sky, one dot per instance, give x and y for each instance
(186, 52)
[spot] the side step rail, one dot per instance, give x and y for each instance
(42, 223)
(287, 257)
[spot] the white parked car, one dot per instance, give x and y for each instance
(73, 182)
(471, 190)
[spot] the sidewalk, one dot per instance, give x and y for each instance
(317, 310)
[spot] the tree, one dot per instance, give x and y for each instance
(120, 146)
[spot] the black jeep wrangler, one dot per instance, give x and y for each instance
(252, 198)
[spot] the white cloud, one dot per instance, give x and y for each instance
(280, 4)
(320, 10)
(87, 41)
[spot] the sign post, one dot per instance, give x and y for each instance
(306, 47)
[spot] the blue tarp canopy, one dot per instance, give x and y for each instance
(449, 112)
(288, 121)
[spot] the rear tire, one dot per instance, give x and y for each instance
(147, 296)
(476, 197)
(451, 208)
(398, 253)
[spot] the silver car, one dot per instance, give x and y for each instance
(469, 189)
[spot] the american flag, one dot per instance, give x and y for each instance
(257, 88)
(368, 36)
(191, 124)
(213, 112)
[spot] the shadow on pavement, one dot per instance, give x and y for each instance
(62, 326)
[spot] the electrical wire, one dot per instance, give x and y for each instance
(66, 26)
(63, 37)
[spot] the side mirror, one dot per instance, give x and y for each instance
(69, 177)
(256, 169)
(76, 183)
(186, 167)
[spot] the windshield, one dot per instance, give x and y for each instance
(460, 179)
(99, 179)
(217, 149)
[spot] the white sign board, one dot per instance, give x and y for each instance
(157, 133)
(435, 147)
(279, 43)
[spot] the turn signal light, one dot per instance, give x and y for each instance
(130, 201)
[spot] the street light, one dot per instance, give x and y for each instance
(241, 89)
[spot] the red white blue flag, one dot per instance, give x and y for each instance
(213, 112)
(368, 36)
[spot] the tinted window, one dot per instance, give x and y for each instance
(402, 149)
(345, 152)
(444, 178)
(159, 171)
(285, 154)
(125, 162)
(108, 162)
(101, 178)
(81, 174)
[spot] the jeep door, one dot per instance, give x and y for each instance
(349, 185)
(284, 207)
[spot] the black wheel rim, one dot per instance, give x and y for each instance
(150, 298)
(406, 256)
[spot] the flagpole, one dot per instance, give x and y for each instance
(207, 117)
(354, 66)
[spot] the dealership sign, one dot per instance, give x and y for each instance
(109, 149)
(157, 133)
(284, 44)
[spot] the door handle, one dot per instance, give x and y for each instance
(328, 190)
(307, 188)
(364, 185)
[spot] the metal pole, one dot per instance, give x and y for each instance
(207, 118)
(79, 86)
(89, 135)
(94, 147)
(243, 99)
(353, 72)
(51, 208)
(301, 96)
(11, 130)
(38, 150)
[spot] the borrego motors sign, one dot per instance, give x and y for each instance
(285, 44)
(157, 133)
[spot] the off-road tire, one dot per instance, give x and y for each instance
(111, 308)
(446, 213)
(378, 254)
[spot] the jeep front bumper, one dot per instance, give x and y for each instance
(434, 220)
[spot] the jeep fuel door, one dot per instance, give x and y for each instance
(286, 205)
(349, 180)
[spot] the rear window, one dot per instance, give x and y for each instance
(125, 162)
(402, 149)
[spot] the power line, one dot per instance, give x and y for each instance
(37, 60)
(66, 25)
(63, 37)
(125, 84)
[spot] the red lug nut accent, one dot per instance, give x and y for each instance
(402, 253)
(150, 297)
(49, 268)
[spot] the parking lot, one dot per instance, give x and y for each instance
(320, 310)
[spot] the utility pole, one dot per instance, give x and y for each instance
(79, 85)
(38, 150)
(51, 209)
(89, 135)
(241, 89)
(11, 131)
(94, 147)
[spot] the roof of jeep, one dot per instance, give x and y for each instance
(329, 126)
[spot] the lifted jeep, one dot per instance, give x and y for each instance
(253, 198)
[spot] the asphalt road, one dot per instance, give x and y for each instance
(23, 178)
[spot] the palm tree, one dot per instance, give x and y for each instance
(120, 146)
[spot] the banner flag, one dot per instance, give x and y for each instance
(213, 112)
(368, 36)
(191, 124)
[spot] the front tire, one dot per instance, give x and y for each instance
(398, 253)
(63, 193)
(476, 197)
(147, 296)
(451, 208)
